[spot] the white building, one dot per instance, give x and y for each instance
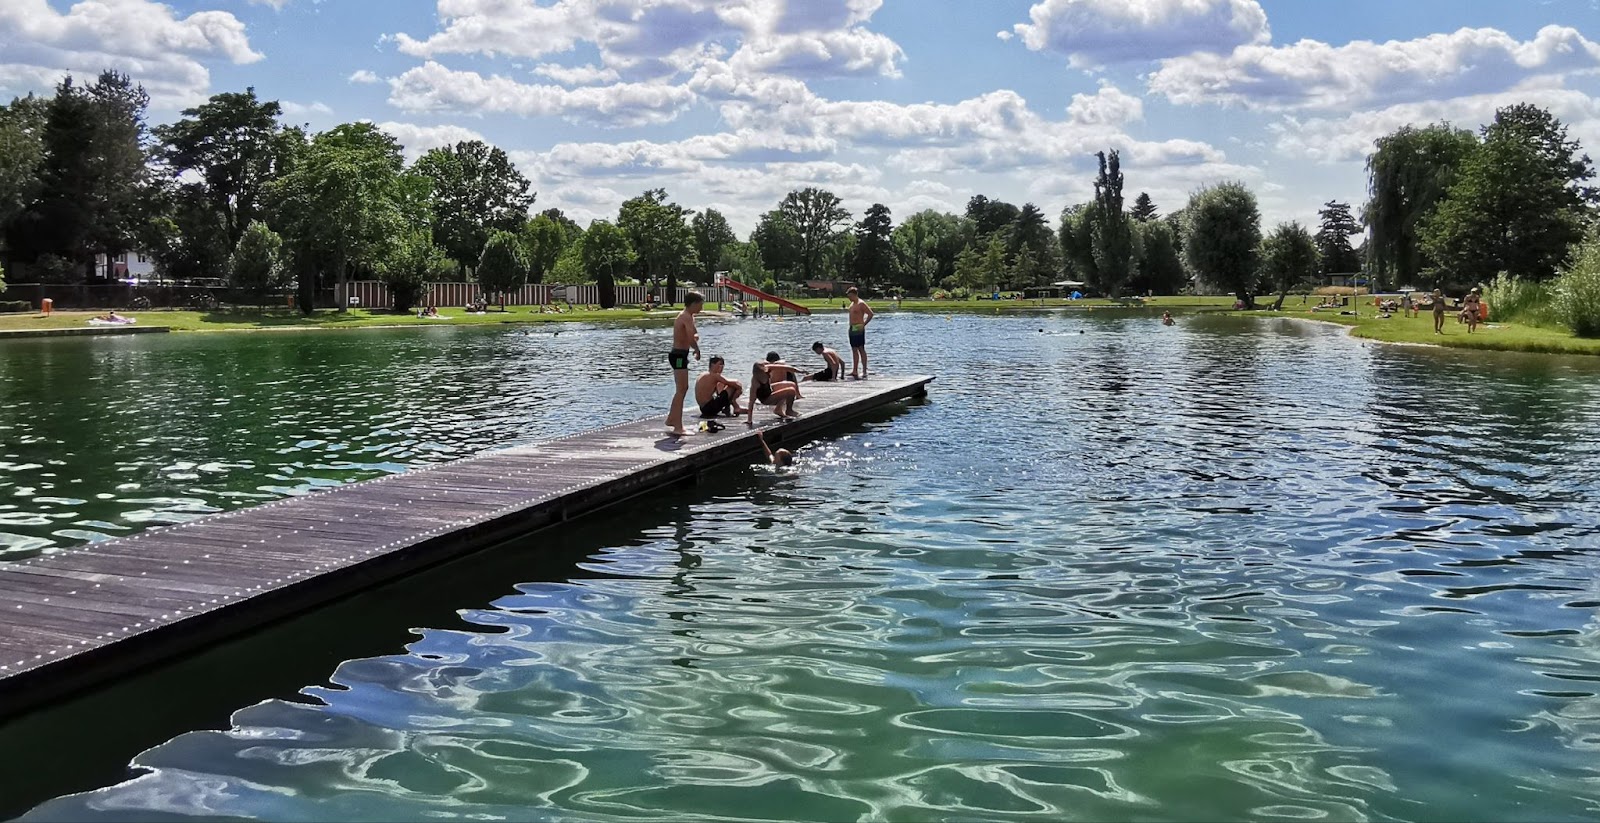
(134, 266)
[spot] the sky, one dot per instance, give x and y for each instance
(916, 104)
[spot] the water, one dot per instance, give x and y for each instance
(1231, 569)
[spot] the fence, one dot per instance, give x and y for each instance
(374, 294)
(67, 296)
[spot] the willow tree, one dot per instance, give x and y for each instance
(1223, 239)
(1288, 259)
(1407, 174)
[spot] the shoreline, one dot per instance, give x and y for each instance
(1483, 341)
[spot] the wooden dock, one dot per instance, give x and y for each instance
(76, 618)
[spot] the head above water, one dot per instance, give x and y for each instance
(693, 300)
(783, 457)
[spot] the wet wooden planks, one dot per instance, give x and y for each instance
(73, 619)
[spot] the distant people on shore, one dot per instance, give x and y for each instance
(685, 337)
(715, 394)
(1438, 311)
(860, 315)
(1472, 309)
(833, 365)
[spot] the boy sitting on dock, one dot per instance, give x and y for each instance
(716, 394)
(684, 337)
(833, 365)
(860, 315)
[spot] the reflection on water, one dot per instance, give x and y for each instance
(1224, 570)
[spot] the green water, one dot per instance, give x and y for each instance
(1226, 570)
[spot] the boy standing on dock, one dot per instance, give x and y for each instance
(684, 337)
(860, 315)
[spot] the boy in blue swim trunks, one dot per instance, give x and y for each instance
(860, 315)
(684, 337)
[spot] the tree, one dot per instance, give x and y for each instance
(256, 266)
(711, 235)
(1333, 239)
(229, 143)
(411, 266)
(93, 179)
(1159, 268)
(605, 250)
(1144, 210)
(1112, 236)
(816, 216)
(544, 240)
(928, 243)
(503, 268)
(1407, 174)
(1223, 239)
(1288, 259)
(22, 125)
(340, 204)
(778, 242)
(1077, 242)
(989, 216)
(476, 192)
(659, 233)
(1030, 230)
(875, 261)
(1517, 204)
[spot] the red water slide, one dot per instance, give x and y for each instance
(761, 295)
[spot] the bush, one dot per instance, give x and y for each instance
(1515, 300)
(1577, 289)
(414, 263)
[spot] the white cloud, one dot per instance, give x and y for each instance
(417, 140)
(1098, 32)
(364, 76)
(275, 4)
(1362, 74)
(577, 75)
(1350, 138)
(1109, 106)
(293, 109)
(433, 87)
(144, 38)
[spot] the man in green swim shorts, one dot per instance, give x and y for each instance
(860, 315)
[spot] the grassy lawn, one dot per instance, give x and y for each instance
(1175, 303)
(247, 319)
(1400, 329)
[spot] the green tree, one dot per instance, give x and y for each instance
(545, 239)
(1160, 265)
(606, 251)
(1333, 239)
(22, 125)
(1077, 243)
(93, 178)
(413, 263)
(990, 216)
(339, 205)
(659, 233)
(1030, 230)
(1224, 238)
(476, 192)
(229, 143)
(743, 262)
(1144, 210)
(503, 268)
(185, 236)
(1288, 259)
(256, 265)
(779, 243)
(1517, 204)
(1407, 174)
(928, 243)
(875, 260)
(711, 235)
(1112, 235)
(817, 217)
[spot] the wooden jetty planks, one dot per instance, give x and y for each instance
(72, 619)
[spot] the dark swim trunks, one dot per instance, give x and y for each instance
(719, 403)
(679, 358)
(823, 376)
(858, 336)
(763, 392)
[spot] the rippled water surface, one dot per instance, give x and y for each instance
(1109, 570)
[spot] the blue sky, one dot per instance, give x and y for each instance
(913, 103)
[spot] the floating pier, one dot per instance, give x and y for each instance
(74, 619)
